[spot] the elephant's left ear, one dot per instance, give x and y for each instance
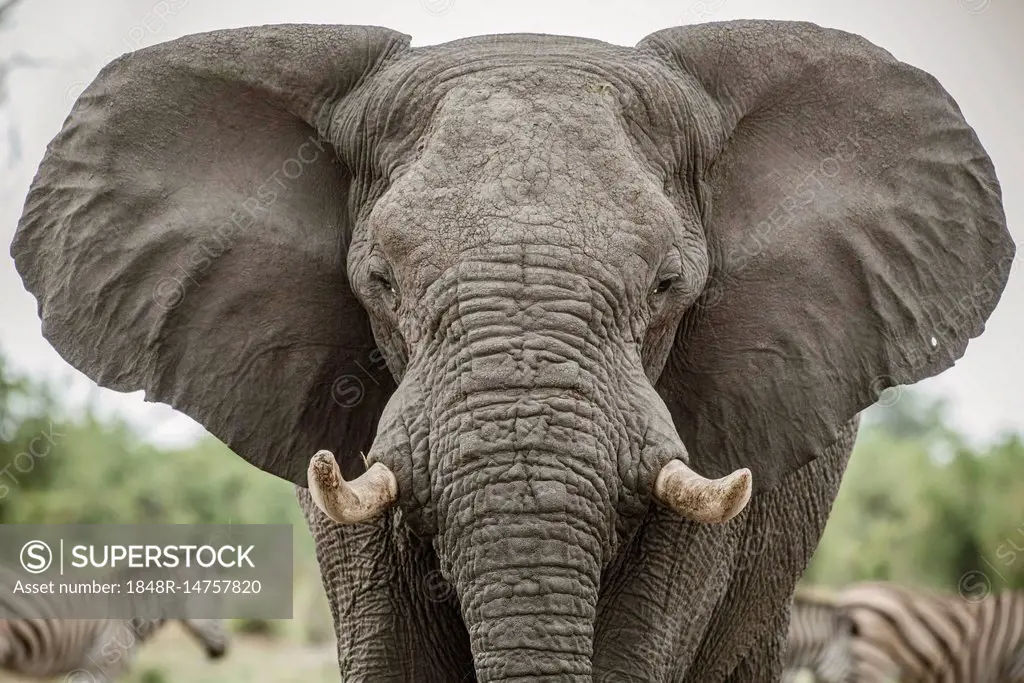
(856, 232)
(187, 235)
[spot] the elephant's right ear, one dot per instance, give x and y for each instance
(856, 235)
(187, 234)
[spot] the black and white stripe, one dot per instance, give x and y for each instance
(919, 636)
(90, 648)
(819, 639)
(43, 648)
(83, 650)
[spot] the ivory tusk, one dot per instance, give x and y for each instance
(350, 502)
(711, 501)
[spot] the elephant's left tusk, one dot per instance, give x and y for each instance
(711, 501)
(374, 491)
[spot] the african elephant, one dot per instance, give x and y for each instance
(577, 321)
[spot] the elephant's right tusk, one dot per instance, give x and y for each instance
(711, 501)
(374, 491)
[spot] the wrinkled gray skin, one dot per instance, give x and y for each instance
(522, 272)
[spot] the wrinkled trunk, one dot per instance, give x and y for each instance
(528, 581)
(526, 481)
(524, 522)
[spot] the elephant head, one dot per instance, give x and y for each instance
(519, 287)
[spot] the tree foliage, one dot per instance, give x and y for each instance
(919, 506)
(61, 468)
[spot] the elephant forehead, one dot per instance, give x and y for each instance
(527, 160)
(550, 134)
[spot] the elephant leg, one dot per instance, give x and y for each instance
(783, 528)
(395, 618)
(763, 662)
(664, 584)
(731, 582)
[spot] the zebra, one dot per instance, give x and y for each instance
(922, 636)
(819, 639)
(90, 650)
(82, 650)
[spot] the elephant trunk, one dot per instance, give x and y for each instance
(526, 438)
(525, 564)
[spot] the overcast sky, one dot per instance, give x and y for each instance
(973, 47)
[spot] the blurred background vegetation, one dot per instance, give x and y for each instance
(92, 470)
(918, 505)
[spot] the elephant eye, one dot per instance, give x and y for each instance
(664, 285)
(385, 282)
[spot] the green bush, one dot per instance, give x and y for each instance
(919, 506)
(93, 471)
(152, 675)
